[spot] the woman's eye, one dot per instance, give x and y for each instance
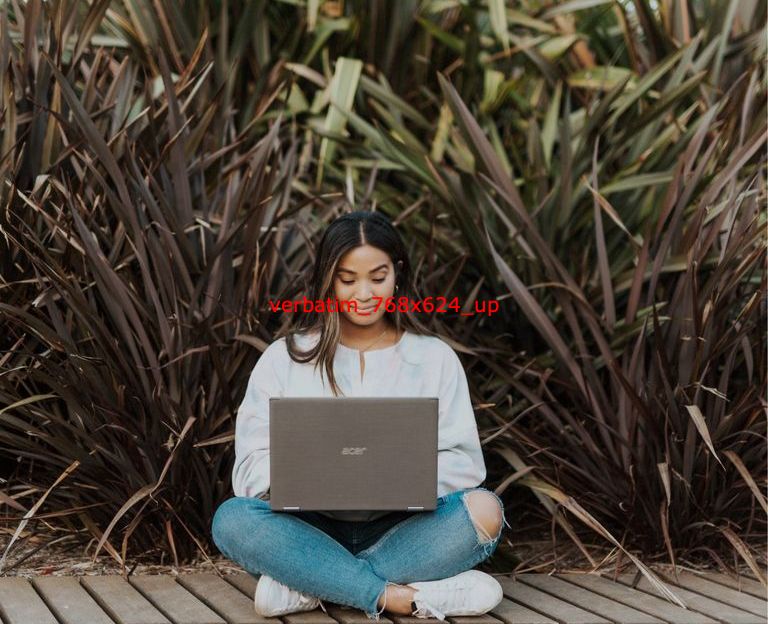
(378, 281)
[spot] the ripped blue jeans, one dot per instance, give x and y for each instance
(351, 563)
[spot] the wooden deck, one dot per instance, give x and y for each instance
(528, 599)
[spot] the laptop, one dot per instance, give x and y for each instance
(353, 453)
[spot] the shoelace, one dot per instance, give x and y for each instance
(426, 610)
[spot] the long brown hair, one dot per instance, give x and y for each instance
(351, 230)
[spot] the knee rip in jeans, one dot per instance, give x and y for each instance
(484, 540)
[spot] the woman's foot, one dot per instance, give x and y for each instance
(469, 593)
(397, 599)
(273, 598)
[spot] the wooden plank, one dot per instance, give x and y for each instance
(697, 602)
(485, 618)
(514, 613)
(529, 599)
(750, 574)
(121, 601)
(588, 600)
(349, 615)
(660, 608)
(69, 601)
(739, 583)
(175, 602)
(316, 616)
(549, 605)
(230, 603)
(243, 581)
(454, 619)
(21, 604)
(702, 585)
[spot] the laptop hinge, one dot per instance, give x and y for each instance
(420, 507)
(286, 508)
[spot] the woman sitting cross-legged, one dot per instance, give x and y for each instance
(407, 563)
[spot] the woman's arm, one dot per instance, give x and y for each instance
(460, 462)
(250, 475)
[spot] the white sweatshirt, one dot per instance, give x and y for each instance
(416, 366)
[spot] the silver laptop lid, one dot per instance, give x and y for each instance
(353, 453)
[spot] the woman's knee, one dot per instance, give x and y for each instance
(222, 521)
(228, 520)
(486, 511)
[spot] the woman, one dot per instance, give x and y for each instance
(407, 563)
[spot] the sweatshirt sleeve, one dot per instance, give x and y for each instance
(460, 462)
(250, 475)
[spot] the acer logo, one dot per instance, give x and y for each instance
(353, 450)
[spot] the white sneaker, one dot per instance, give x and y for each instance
(469, 593)
(273, 598)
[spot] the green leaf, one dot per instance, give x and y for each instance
(631, 183)
(600, 78)
(555, 47)
(498, 16)
(549, 132)
(341, 95)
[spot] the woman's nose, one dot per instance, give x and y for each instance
(364, 293)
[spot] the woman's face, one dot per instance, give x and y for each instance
(362, 274)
